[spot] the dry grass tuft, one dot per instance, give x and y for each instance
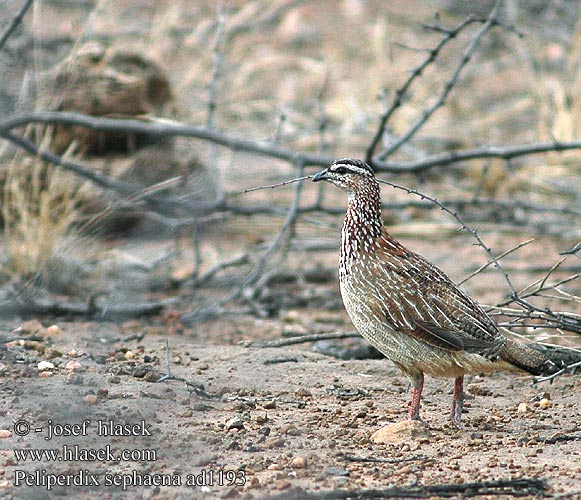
(40, 218)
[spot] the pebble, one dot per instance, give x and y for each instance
(522, 408)
(129, 355)
(90, 399)
(45, 374)
(72, 366)
(336, 471)
(283, 485)
(544, 403)
(401, 432)
(5, 433)
(299, 462)
(261, 419)
(45, 365)
(274, 442)
(32, 326)
(53, 329)
(234, 423)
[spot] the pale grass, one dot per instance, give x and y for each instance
(559, 98)
(40, 215)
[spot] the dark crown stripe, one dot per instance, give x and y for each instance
(354, 163)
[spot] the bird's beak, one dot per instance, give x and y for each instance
(321, 176)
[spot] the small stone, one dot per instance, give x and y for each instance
(45, 374)
(269, 405)
(299, 462)
(32, 326)
(274, 442)
(72, 366)
(401, 432)
(234, 423)
(53, 329)
(129, 355)
(303, 393)
(544, 403)
(152, 376)
(522, 408)
(90, 399)
(201, 407)
(44, 365)
(73, 353)
(336, 471)
(231, 493)
(283, 485)
(254, 483)
(261, 419)
(5, 433)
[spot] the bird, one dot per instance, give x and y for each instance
(408, 308)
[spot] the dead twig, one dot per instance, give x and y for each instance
(315, 337)
(259, 267)
(402, 91)
(16, 20)
(33, 305)
(166, 128)
(524, 487)
(449, 85)
(490, 262)
(198, 388)
(376, 460)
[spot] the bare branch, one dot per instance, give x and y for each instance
(166, 128)
(503, 152)
(401, 92)
(315, 337)
(15, 22)
(490, 262)
(450, 84)
(258, 270)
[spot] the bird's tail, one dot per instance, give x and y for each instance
(527, 359)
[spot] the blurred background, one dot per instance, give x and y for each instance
(310, 77)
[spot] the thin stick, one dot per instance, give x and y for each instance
(489, 263)
(402, 91)
(450, 84)
(272, 186)
(15, 22)
(315, 337)
(169, 128)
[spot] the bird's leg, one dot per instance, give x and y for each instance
(457, 401)
(414, 413)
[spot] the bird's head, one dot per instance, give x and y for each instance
(348, 174)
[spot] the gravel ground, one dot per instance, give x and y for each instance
(274, 421)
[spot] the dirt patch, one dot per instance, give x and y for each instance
(274, 419)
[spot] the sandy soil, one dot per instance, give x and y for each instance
(273, 419)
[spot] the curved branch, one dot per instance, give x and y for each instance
(166, 128)
(15, 22)
(503, 152)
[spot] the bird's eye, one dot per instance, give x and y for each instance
(341, 170)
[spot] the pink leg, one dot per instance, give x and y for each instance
(414, 413)
(457, 401)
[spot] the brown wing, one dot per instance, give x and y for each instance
(429, 306)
